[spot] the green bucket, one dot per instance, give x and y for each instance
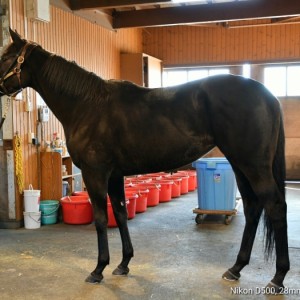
(49, 209)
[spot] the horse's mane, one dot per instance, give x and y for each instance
(69, 79)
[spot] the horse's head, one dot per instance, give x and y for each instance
(13, 74)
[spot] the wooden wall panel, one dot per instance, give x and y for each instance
(210, 45)
(91, 46)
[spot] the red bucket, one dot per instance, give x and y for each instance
(176, 187)
(142, 199)
(131, 197)
(165, 194)
(192, 180)
(153, 194)
(153, 176)
(142, 179)
(81, 193)
(184, 182)
(134, 180)
(149, 178)
(77, 210)
(129, 185)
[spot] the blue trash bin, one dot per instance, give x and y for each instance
(216, 184)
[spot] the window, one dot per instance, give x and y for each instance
(293, 75)
(246, 71)
(174, 77)
(212, 72)
(283, 80)
(178, 76)
(197, 74)
(275, 80)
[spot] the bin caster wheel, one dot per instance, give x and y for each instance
(199, 219)
(228, 220)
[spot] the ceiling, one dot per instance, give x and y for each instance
(116, 14)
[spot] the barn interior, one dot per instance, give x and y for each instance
(178, 254)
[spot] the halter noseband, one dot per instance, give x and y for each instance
(19, 60)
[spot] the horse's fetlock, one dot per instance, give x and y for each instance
(103, 263)
(128, 254)
(243, 260)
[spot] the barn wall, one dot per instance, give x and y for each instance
(204, 46)
(91, 46)
(199, 45)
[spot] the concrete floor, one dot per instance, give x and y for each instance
(174, 258)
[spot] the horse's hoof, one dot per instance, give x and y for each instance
(94, 279)
(121, 271)
(229, 276)
(274, 289)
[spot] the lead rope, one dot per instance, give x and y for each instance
(19, 162)
(6, 108)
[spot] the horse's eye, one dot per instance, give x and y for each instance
(5, 58)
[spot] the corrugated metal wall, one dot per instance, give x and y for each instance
(91, 46)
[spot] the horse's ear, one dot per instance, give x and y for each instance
(15, 36)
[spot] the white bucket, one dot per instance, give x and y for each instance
(32, 220)
(32, 200)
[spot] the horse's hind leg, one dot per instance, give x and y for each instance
(117, 198)
(252, 211)
(273, 201)
(275, 210)
(275, 220)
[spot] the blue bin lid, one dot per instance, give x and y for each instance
(212, 163)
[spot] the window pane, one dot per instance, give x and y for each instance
(174, 77)
(293, 86)
(275, 80)
(197, 74)
(218, 71)
(246, 70)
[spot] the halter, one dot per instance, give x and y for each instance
(18, 61)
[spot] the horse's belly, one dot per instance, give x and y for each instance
(163, 157)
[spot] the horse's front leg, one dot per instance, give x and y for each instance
(97, 188)
(117, 198)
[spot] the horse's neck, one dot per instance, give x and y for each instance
(59, 105)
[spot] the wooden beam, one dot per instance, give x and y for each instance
(217, 12)
(94, 16)
(104, 4)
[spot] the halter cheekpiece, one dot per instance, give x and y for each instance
(15, 69)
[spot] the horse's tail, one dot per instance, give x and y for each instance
(279, 174)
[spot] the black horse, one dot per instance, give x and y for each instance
(111, 128)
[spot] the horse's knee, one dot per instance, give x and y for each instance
(100, 222)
